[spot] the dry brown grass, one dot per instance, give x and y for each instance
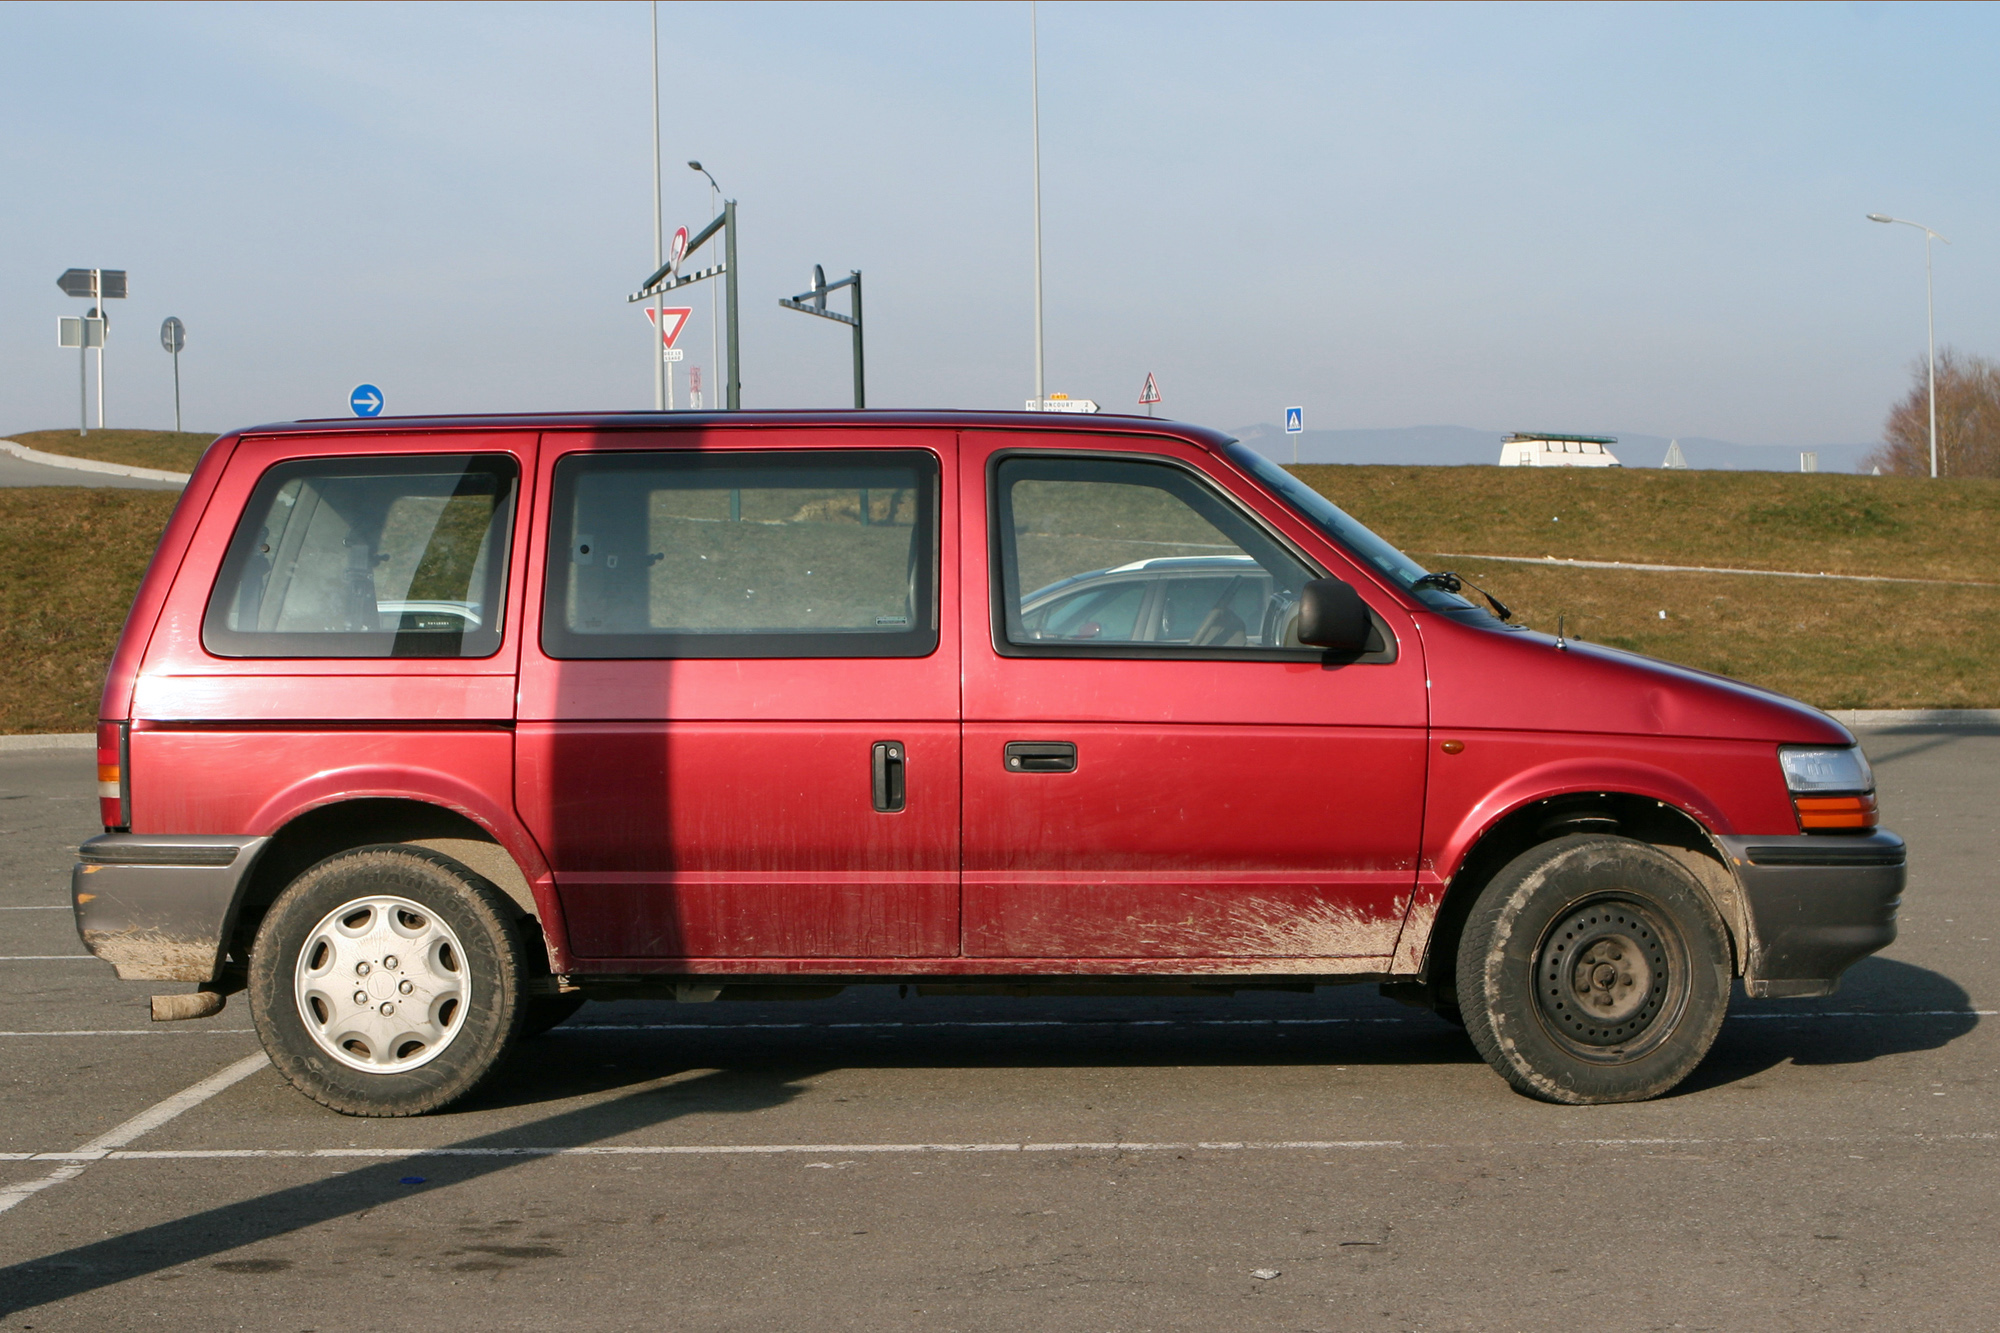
(70, 562)
(170, 451)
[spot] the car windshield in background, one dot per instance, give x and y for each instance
(1344, 528)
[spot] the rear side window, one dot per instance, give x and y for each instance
(368, 557)
(656, 555)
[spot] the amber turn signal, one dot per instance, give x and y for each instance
(1452, 747)
(1817, 813)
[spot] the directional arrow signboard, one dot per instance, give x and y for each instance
(366, 400)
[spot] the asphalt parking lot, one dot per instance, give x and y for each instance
(970, 1164)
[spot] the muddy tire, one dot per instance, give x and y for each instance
(1593, 969)
(386, 981)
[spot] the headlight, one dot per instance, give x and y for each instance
(1833, 791)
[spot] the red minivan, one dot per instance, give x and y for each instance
(424, 731)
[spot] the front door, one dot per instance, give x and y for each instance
(738, 734)
(1154, 768)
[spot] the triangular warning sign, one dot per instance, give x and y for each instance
(670, 326)
(1151, 393)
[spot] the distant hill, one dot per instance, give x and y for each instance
(1445, 446)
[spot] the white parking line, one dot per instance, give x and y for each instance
(57, 907)
(143, 1123)
(918, 1149)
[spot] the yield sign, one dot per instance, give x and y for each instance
(1151, 393)
(670, 321)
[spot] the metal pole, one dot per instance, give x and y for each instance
(729, 301)
(860, 382)
(103, 336)
(83, 376)
(659, 232)
(177, 391)
(1035, 96)
(714, 322)
(1931, 337)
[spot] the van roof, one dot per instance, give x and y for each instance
(1101, 423)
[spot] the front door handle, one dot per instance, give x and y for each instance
(1040, 756)
(887, 769)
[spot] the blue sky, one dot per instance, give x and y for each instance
(1636, 218)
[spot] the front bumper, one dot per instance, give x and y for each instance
(1818, 904)
(160, 908)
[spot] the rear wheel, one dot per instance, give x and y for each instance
(1593, 969)
(386, 981)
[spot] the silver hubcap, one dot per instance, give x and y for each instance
(382, 985)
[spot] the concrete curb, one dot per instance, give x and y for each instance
(1917, 717)
(27, 455)
(62, 740)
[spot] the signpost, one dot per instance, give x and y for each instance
(670, 320)
(1061, 402)
(81, 333)
(1295, 425)
(816, 305)
(173, 337)
(668, 277)
(1150, 394)
(366, 400)
(99, 285)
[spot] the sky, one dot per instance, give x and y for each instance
(1643, 218)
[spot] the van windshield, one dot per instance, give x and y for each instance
(1344, 528)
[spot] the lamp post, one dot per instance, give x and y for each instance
(1930, 319)
(714, 345)
(1035, 106)
(659, 226)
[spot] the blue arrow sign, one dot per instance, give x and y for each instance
(1295, 419)
(366, 400)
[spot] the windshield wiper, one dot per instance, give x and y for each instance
(1447, 581)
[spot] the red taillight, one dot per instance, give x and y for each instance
(114, 782)
(1819, 814)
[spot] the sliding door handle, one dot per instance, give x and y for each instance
(887, 769)
(1040, 756)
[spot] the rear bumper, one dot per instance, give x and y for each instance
(160, 908)
(1818, 904)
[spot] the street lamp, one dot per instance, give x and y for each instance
(1930, 318)
(714, 354)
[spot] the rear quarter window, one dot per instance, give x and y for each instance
(368, 557)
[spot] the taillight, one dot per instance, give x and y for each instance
(1833, 791)
(114, 776)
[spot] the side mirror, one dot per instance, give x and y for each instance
(1333, 616)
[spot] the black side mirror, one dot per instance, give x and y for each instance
(1333, 616)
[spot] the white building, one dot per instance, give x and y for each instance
(1558, 451)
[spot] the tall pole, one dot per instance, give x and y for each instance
(1931, 339)
(103, 336)
(1035, 101)
(177, 390)
(83, 376)
(735, 399)
(659, 231)
(1930, 322)
(860, 383)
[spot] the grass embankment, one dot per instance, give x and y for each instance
(167, 450)
(1835, 644)
(70, 561)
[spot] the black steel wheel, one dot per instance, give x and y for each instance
(386, 981)
(1593, 969)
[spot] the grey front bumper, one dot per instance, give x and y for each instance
(159, 908)
(1818, 904)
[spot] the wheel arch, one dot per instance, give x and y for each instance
(1644, 818)
(318, 831)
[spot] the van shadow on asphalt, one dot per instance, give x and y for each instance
(1883, 1007)
(215, 1231)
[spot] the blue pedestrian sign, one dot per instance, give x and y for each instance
(1295, 419)
(366, 400)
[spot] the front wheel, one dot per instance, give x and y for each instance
(1593, 969)
(386, 981)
